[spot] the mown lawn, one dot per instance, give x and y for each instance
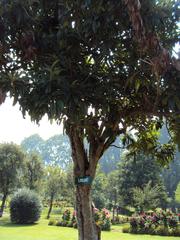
(41, 231)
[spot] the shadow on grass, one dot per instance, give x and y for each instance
(6, 223)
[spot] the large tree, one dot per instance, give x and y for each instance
(33, 171)
(147, 198)
(11, 165)
(171, 174)
(177, 194)
(53, 185)
(136, 172)
(100, 67)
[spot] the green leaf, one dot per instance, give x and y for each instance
(137, 84)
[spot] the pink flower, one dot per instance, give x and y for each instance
(95, 210)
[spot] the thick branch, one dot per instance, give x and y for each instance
(78, 151)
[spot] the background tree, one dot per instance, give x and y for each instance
(33, 171)
(99, 189)
(146, 198)
(97, 66)
(177, 194)
(137, 171)
(53, 185)
(55, 150)
(33, 144)
(171, 176)
(111, 157)
(69, 189)
(112, 191)
(11, 162)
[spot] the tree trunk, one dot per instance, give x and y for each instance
(86, 224)
(50, 207)
(3, 204)
(84, 165)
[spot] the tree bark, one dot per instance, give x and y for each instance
(50, 207)
(87, 229)
(3, 204)
(113, 217)
(84, 165)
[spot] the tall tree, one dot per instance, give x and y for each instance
(136, 172)
(171, 176)
(69, 193)
(111, 157)
(100, 67)
(99, 189)
(177, 193)
(147, 198)
(112, 191)
(54, 184)
(11, 163)
(33, 171)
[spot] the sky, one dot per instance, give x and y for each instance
(13, 128)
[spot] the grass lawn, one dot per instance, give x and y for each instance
(41, 231)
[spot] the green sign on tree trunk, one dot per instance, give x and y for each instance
(86, 180)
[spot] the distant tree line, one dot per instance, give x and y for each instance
(122, 180)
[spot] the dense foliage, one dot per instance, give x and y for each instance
(136, 172)
(25, 207)
(33, 171)
(53, 185)
(149, 197)
(157, 223)
(11, 165)
(177, 194)
(101, 68)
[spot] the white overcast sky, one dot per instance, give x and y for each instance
(13, 128)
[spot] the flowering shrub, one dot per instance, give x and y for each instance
(134, 222)
(159, 223)
(97, 214)
(102, 219)
(73, 219)
(66, 215)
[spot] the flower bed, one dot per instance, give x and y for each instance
(163, 223)
(102, 219)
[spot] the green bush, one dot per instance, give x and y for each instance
(70, 224)
(52, 223)
(162, 231)
(176, 232)
(66, 215)
(25, 207)
(126, 229)
(59, 224)
(75, 225)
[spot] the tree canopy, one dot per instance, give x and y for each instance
(137, 172)
(55, 54)
(33, 171)
(11, 165)
(101, 67)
